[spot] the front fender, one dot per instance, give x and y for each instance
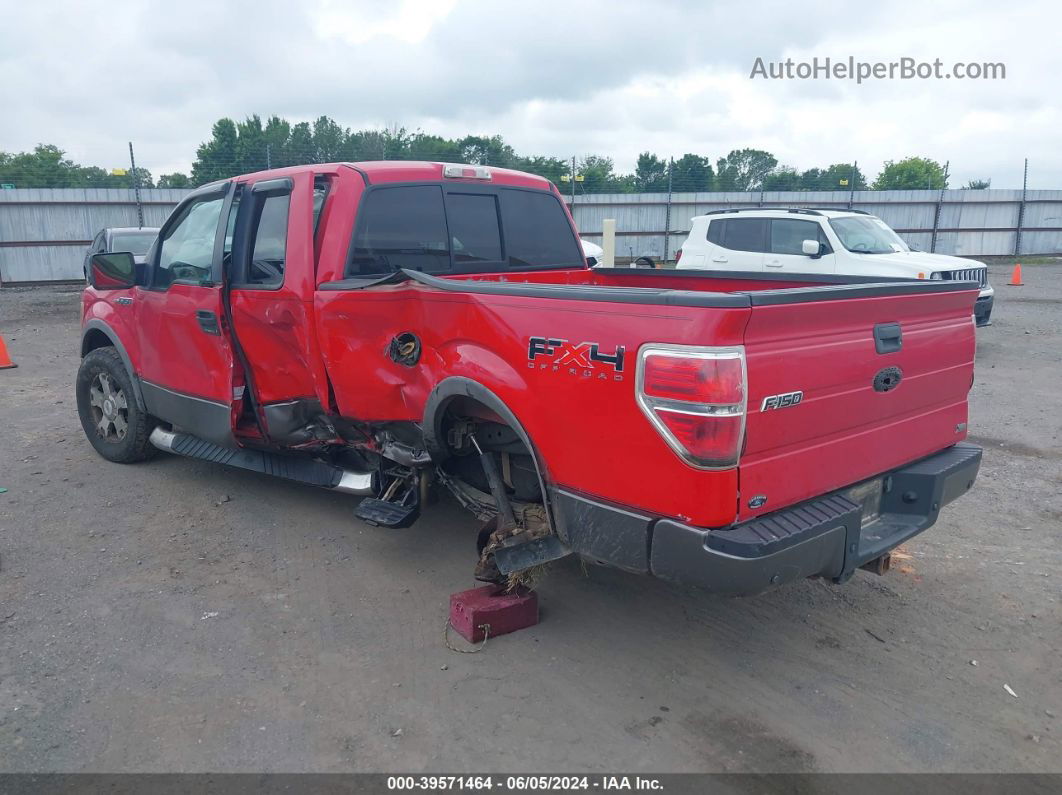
(91, 330)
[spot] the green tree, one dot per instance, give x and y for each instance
(250, 146)
(744, 169)
(45, 167)
(978, 184)
(216, 159)
(431, 147)
(913, 173)
(831, 178)
(492, 151)
(692, 173)
(94, 177)
(782, 178)
(650, 174)
(552, 168)
(143, 179)
(174, 180)
(276, 137)
(599, 176)
(370, 145)
(48, 167)
(300, 145)
(329, 141)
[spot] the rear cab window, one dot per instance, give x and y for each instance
(460, 229)
(475, 232)
(401, 227)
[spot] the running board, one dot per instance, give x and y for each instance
(302, 470)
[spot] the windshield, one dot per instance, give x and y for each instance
(136, 243)
(865, 234)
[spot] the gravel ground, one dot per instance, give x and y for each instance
(146, 624)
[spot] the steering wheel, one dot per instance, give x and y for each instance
(186, 271)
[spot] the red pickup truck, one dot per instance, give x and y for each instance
(396, 329)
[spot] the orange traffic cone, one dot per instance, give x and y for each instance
(1015, 278)
(5, 360)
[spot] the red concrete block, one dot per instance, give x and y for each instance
(491, 605)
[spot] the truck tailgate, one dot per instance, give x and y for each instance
(867, 405)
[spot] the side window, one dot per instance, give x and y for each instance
(474, 232)
(745, 234)
(401, 227)
(187, 251)
(715, 231)
(270, 243)
(788, 235)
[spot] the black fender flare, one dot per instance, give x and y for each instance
(95, 324)
(459, 386)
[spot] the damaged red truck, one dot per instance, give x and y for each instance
(390, 329)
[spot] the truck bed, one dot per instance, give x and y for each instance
(810, 334)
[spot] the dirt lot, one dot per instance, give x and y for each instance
(148, 625)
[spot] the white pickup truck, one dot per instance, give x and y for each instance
(820, 241)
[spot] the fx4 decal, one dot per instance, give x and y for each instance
(583, 359)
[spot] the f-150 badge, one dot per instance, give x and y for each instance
(782, 401)
(583, 359)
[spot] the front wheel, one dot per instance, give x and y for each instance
(106, 404)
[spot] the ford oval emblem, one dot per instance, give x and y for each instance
(758, 501)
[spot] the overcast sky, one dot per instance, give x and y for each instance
(554, 78)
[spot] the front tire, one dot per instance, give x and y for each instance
(106, 403)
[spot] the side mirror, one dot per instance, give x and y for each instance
(811, 248)
(112, 271)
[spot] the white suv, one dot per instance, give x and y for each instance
(821, 241)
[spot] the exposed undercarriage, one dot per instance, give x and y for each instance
(482, 461)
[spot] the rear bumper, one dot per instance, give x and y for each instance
(823, 537)
(983, 311)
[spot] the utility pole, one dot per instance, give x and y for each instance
(136, 189)
(936, 215)
(667, 212)
(573, 183)
(269, 159)
(1021, 209)
(851, 184)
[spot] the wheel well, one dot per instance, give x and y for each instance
(96, 336)
(467, 398)
(94, 339)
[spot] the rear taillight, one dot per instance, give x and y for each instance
(695, 398)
